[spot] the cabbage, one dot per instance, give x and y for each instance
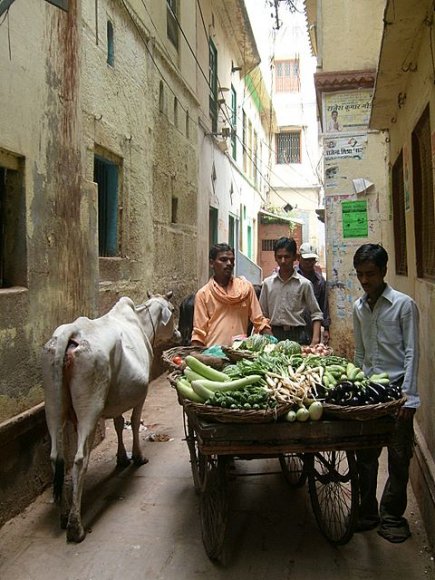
(288, 347)
(257, 342)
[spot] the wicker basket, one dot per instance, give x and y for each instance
(235, 354)
(364, 412)
(221, 415)
(182, 351)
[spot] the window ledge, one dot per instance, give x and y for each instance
(13, 290)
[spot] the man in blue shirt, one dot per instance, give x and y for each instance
(386, 340)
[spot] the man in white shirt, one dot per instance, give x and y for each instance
(386, 340)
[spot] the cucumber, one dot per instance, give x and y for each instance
(202, 391)
(204, 370)
(216, 386)
(187, 392)
(192, 375)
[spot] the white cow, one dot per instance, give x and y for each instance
(92, 369)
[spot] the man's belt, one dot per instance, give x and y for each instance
(286, 328)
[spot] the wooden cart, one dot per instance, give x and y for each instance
(322, 452)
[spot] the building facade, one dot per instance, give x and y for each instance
(376, 100)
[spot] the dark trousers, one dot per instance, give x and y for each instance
(296, 333)
(394, 498)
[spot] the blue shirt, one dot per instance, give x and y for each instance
(386, 339)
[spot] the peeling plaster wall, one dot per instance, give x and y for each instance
(155, 150)
(41, 124)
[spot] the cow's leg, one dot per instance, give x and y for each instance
(122, 459)
(137, 456)
(75, 530)
(70, 445)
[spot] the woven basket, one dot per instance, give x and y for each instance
(221, 415)
(182, 351)
(235, 354)
(364, 412)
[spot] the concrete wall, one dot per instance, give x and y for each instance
(40, 124)
(62, 103)
(349, 34)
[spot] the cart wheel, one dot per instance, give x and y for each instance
(214, 507)
(293, 468)
(333, 486)
(198, 462)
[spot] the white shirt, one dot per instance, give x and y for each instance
(386, 339)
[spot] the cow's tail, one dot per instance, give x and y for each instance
(56, 405)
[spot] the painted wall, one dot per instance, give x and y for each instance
(298, 184)
(142, 112)
(40, 126)
(223, 183)
(349, 34)
(419, 93)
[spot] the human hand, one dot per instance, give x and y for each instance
(326, 336)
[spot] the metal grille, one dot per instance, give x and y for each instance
(288, 147)
(399, 224)
(267, 245)
(423, 197)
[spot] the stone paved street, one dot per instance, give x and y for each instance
(144, 523)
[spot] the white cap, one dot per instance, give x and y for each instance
(307, 251)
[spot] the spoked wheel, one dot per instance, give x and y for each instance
(214, 506)
(198, 462)
(293, 468)
(333, 486)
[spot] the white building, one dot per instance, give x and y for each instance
(288, 69)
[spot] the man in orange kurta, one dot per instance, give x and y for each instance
(224, 306)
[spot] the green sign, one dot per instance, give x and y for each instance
(354, 216)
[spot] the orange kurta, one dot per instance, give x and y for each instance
(220, 314)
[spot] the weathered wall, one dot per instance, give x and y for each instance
(349, 34)
(342, 282)
(40, 123)
(127, 117)
(419, 93)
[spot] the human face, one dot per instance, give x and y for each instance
(307, 264)
(285, 261)
(223, 267)
(371, 278)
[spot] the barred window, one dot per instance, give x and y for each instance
(399, 225)
(288, 147)
(287, 78)
(268, 245)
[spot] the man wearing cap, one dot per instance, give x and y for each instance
(307, 262)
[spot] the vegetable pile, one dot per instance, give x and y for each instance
(285, 375)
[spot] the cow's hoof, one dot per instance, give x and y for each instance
(139, 460)
(122, 462)
(64, 521)
(75, 535)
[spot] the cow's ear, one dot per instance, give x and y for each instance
(169, 295)
(149, 294)
(166, 315)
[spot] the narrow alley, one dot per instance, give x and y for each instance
(144, 523)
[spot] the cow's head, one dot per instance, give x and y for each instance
(157, 317)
